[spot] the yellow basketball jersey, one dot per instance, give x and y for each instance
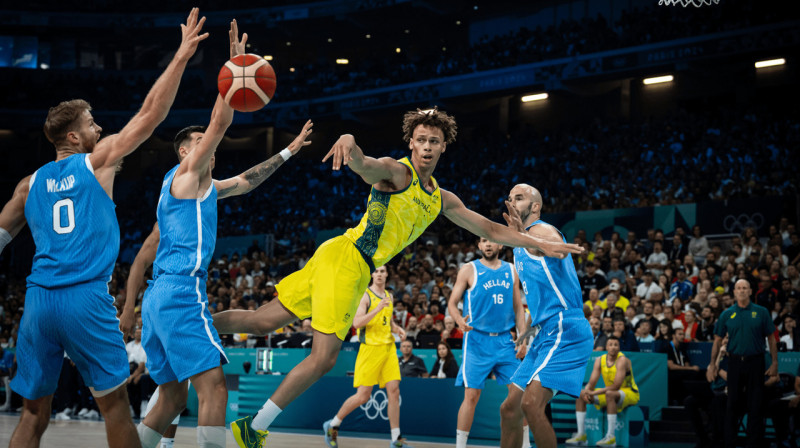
(609, 373)
(378, 331)
(394, 220)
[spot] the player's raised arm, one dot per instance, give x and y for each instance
(144, 259)
(12, 218)
(156, 105)
(462, 284)
(455, 211)
(346, 152)
(252, 178)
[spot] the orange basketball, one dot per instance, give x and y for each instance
(246, 82)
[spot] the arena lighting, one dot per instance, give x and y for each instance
(342, 61)
(770, 63)
(268, 57)
(534, 97)
(397, 50)
(657, 80)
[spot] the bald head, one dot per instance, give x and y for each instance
(742, 292)
(527, 201)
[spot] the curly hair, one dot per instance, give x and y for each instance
(64, 118)
(432, 117)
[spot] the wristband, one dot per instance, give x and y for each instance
(285, 153)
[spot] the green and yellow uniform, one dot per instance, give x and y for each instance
(377, 356)
(331, 284)
(628, 387)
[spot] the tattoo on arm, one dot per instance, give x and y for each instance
(259, 173)
(226, 191)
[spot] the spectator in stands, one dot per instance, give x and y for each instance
(698, 245)
(412, 329)
(445, 365)
(614, 271)
(657, 261)
(746, 364)
(690, 325)
(411, 365)
(681, 288)
(634, 265)
(647, 315)
(647, 288)
(400, 313)
(435, 313)
(678, 249)
(595, 324)
(643, 332)
(594, 299)
(620, 391)
(592, 279)
(789, 334)
(428, 336)
(6, 367)
(705, 325)
(766, 296)
(139, 384)
(606, 330)
(450, 329)
(627, 340)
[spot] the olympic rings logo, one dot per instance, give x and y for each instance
(737, 224)
(377, 406)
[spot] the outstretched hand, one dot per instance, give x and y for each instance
(512, 218)
(300, 141)
(341, 151)
(190, 34)
(559, 250)
(237, 46)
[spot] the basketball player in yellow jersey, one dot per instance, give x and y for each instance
(377, 358)
(619, 393)
(405, 199)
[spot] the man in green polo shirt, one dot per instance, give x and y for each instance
(746, 325)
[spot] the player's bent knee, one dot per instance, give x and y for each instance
(509, 410)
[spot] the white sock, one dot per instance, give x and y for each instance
(612, 424)
(148, 436)
(526, 437)
(211, 436)
(336, 421)
(581, 418)
(461, 438)
(265, 416)
(167, 443)
(395, 434)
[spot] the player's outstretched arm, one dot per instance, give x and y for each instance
(144, 259)
(455, 211)
(255, 176)
(12, 218)
(155, 108)
(346, 152)
(466, 272)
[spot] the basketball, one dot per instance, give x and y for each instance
(246, 82)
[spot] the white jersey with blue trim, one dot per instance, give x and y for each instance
(188, 230)
(550, 284)
(73, 223)
(489, 302)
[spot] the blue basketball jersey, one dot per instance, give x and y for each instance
(550, 284)
(489, 301)
(73, 223)
(188, 232)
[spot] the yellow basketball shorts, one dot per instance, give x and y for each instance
(631, 397)
(376, 364)
(328, 288)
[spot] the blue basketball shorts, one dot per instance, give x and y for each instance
(178, 334)
(484, 353)
(559, 354)
(80, 320)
